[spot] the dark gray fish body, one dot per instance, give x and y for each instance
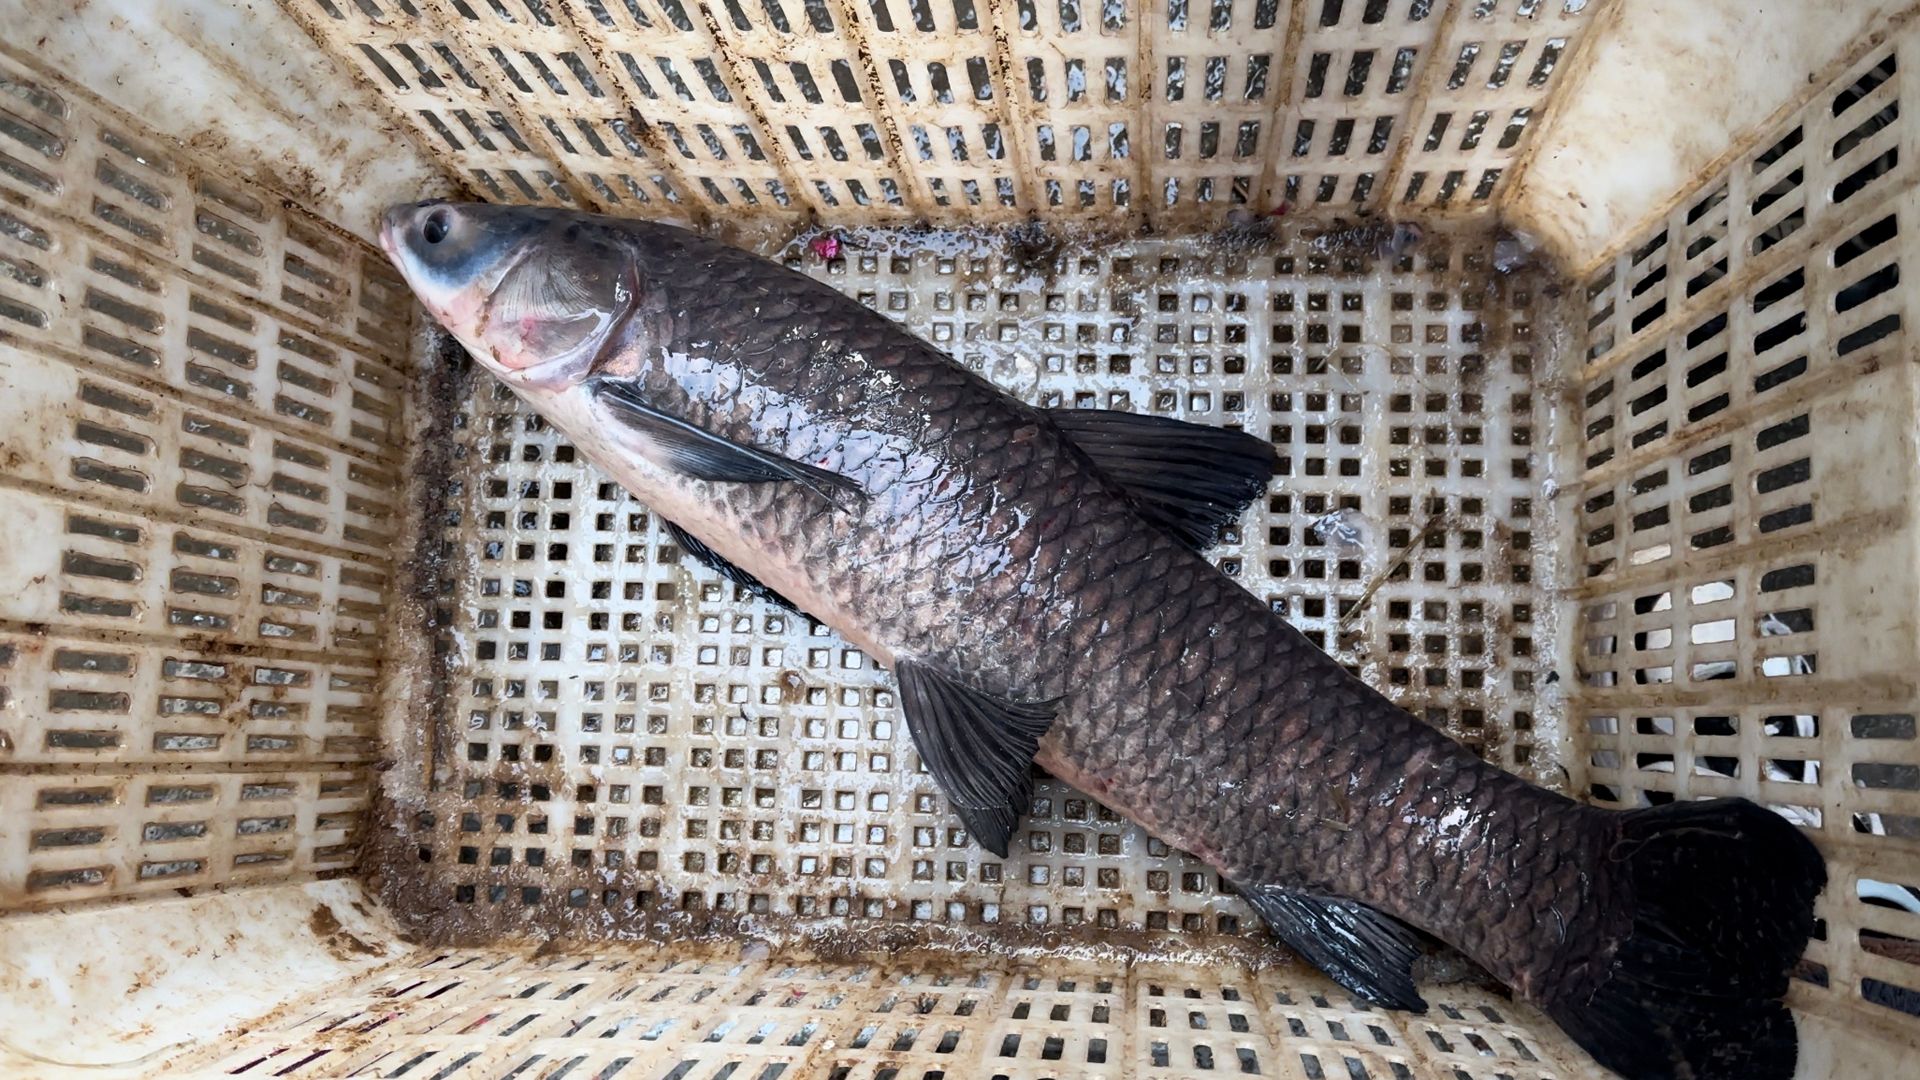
(1023, 573)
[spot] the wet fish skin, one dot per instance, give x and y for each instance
(985, 544)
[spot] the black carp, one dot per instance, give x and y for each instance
(1036, 581)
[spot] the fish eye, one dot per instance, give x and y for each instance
(435, 230)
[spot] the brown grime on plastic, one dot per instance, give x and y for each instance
(339, 941)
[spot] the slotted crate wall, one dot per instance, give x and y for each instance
(201, 437)
(1745, 535)
(629, 1013)
(965, 111)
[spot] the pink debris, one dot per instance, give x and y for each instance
(825, 246)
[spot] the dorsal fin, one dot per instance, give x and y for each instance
(1192, 479)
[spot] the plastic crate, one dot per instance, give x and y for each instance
(351, 725)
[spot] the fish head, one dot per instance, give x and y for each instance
(536, 295)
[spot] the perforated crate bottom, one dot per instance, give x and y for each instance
(653, 1014)
(623, 746)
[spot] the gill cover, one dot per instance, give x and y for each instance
(559, 306)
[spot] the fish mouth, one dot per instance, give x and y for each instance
(391, 221)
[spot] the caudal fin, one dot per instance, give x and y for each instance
(1722, 904)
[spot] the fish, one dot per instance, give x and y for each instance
(1036, 580)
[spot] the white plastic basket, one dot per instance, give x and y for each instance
(350, 725)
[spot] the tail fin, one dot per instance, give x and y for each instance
(1722, 904)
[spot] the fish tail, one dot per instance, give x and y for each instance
(1720, 905)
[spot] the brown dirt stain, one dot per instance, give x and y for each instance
(343, 944)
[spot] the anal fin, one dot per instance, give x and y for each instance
(1192, 479)
(977, 746)
(1363, 950)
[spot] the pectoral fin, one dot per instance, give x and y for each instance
(1192, 479)
(691, 544)
(694, 452)
(977, 746)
